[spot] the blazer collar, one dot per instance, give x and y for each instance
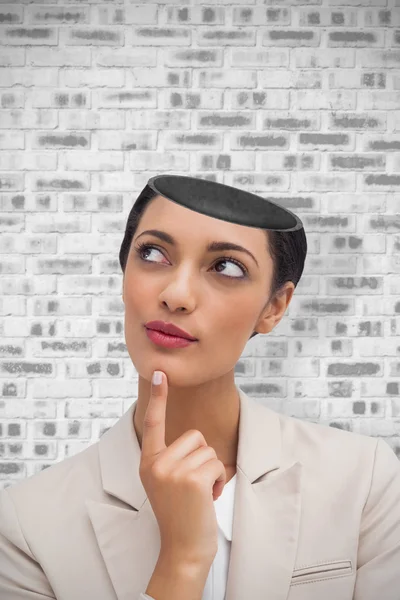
(266, 512)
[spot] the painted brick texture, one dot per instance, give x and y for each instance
(296, 100)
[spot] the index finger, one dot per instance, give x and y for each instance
(153, 439)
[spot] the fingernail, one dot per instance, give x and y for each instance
(157, 378)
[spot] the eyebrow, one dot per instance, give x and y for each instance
(212, 247)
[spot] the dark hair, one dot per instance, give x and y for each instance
(287, 249)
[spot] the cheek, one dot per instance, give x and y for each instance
(137, 293)
(235, 315)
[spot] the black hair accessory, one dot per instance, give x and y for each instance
(225, 202)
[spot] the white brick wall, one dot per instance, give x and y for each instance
(296, 100)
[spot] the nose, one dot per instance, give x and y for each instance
(179, 293)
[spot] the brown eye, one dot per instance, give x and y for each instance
(142, 248)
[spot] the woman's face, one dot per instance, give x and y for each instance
(205, 293)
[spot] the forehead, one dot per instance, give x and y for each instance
(183, 222)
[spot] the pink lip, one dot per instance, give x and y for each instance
(168, 341)
(170, 329)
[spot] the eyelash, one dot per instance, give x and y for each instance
(144, 246)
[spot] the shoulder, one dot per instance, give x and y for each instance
(337, 464)
(309, 434)
(69, 480)
(329, 451)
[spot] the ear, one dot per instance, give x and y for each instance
(275, 309)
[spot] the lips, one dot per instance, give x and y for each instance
(169, 329)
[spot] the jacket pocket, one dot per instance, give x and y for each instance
(320, 571)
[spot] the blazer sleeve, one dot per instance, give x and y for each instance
(378, 560)
(21, 576)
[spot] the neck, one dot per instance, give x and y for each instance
(212, 408)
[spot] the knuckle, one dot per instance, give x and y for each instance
(197, 435)
(157, 470)
(212, 451)
(207, 452)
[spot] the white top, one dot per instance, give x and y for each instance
(215, 586)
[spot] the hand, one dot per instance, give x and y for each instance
(181, 481)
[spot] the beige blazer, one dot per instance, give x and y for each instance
(316, 516)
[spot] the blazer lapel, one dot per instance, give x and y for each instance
(266, 512)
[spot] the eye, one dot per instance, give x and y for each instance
(142, 248)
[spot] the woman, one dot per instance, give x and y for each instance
(307, 511)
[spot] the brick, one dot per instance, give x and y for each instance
(320, 347)
(296, 101)
(159, 161)
(259, 15)
(376, 121)
(11, 57)
(358, 2)
(226, 36)
(226, 79)
(43, 36)
(126, 140)
(354, 244)
(28, 162)
(380, 18)
(356, 79)
(129, 98)
(193, 57)
(91, 36)
(339, 264)
(93, 161)
(248, 57)
(258, 181)
(60, 140)
(158, 120)
(285, 161)
(355, 38)
(225, 120)
(159, 36)
(326, 182)
(84, 78)
(160, 77)
(379, 100)
(308, 58)
(353, 327)
(50, 15)
(325, 140)
(354, 285)
(355, 162)
(373, 58)
(332, 100)
(195, 15)
(46, 77)
(58, 57)
(27, 119)
(291, 37)
(292, 120)
(195, 140)
(220, 161)
(381, 181)
(123, 57)
(327, 17)
(271, 78)
(259, 99)
(383, 143)
(205, 99)
(11, 14)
